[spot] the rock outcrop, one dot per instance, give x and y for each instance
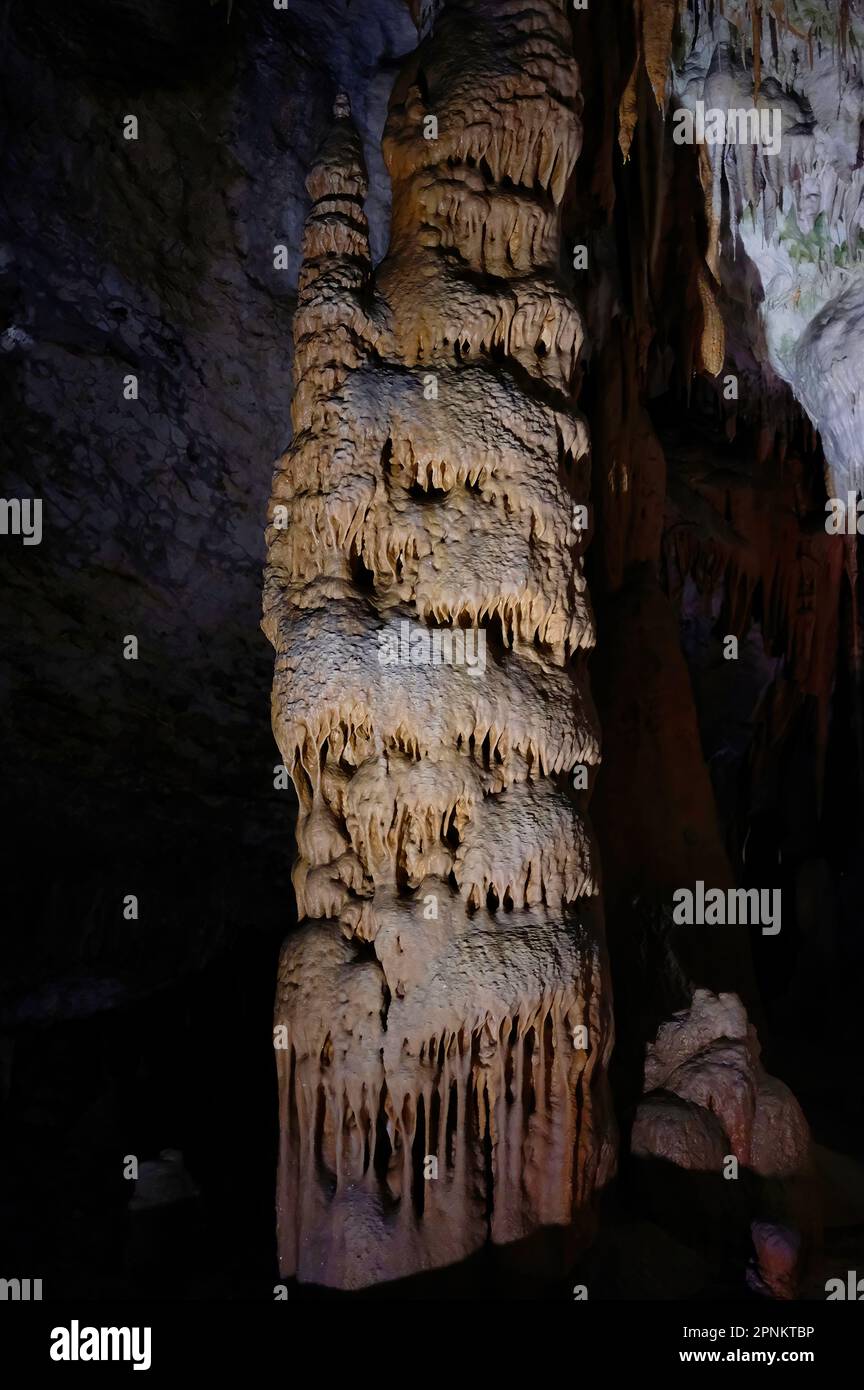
(707, 1096)
(443, 1021)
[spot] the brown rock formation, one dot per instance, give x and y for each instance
(446, 999)
(708, 1057)
(773, 1272)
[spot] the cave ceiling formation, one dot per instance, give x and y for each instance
(795, 212)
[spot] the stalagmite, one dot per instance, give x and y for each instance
(708, 1057)
(447, 997)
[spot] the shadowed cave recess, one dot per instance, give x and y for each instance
(535, 370)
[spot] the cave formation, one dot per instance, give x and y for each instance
(447, 999)
(560, 407)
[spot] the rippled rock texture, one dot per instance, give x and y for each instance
(445, 1010)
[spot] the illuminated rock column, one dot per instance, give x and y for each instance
(443, 1019)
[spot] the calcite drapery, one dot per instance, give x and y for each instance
(444, 1008)
(791, 217)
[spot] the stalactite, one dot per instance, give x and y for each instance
(658, 19)
(756, 23)
(447, 998)
(712, 344)
(793, 204)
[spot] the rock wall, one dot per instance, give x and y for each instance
(792, 207)
(710, 511)
(443, 1019)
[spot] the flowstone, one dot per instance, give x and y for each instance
(445, 1005)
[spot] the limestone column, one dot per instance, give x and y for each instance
(443, 1015)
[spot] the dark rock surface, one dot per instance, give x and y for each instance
(154, 258)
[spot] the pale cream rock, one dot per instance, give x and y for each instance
(447, 997)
